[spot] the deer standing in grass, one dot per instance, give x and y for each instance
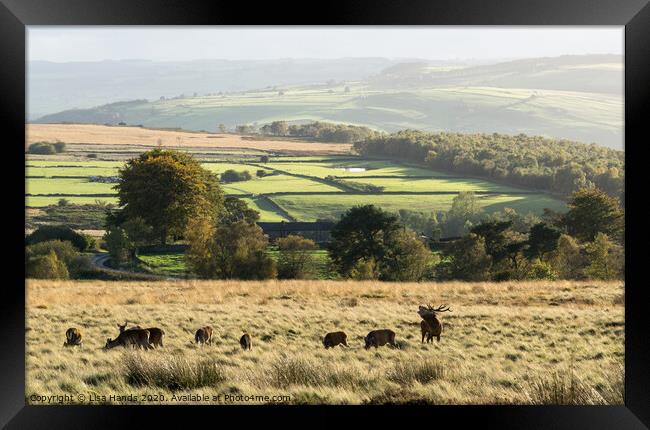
(72, 337)
(379, 338)
(155, 334)
(203, 335)
(245, 342)
(336, 338)
(135, 337)
(431, 327)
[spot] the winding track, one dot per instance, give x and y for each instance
(99, 260)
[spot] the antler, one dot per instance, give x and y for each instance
(430, 310)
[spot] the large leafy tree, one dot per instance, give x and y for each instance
(237, 210)
(167, 188)
(467, 260)
(465, 210)
(361, 234)
(406, 259)
(591, 211)
(228, 251)
(542, 239)
(496, 238)
(606, 258)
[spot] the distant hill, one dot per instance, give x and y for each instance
(573, 97)
(54, 87)
(584, 73)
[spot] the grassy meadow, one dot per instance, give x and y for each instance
(508, 343)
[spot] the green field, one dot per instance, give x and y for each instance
(42, 201)
(165, 264)
(276, 183)
(67, 186)
(351, 168)
(313, 207)
(434, 185)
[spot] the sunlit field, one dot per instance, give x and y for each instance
(508, 343)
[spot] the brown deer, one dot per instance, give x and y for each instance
(336, 338)
(245, 342)
(156, 335)
(135, 337)
(73, 337)
(430, 326)
(379, 338)
(203, 335)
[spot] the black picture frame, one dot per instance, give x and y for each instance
(15, 15)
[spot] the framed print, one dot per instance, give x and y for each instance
(408, 210)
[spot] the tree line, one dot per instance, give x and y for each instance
(318, 131)
(558, 166)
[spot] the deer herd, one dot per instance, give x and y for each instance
(149, 338)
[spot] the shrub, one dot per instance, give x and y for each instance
(59, 147)
(118, 244)
(41, 148)
(228, 251)
(231, 175)
(364, 269)
(64, 250)
(260, 173)
(47, 267)
(91, 155)
(80, 267)
(59, 232)
(295, 260)
(63, 202)
(542, 270)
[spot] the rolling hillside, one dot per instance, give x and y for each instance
(572, 97)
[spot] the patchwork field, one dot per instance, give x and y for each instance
(303, 181)
(302, 188)
(505, 343)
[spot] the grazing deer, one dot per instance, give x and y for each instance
(155, 334)
(135, 337)
(430, 324)
(73, 337)
(379, 338)
(245, 342)
(336, 338)
(203, 335)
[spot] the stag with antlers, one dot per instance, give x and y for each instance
(430, 324)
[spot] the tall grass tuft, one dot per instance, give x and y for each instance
(407, 372)
(172, 372)
(285, 372)
(566, 388)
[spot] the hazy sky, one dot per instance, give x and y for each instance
(236, 43)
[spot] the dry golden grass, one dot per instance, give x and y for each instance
(518, 343)
(105, 135)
